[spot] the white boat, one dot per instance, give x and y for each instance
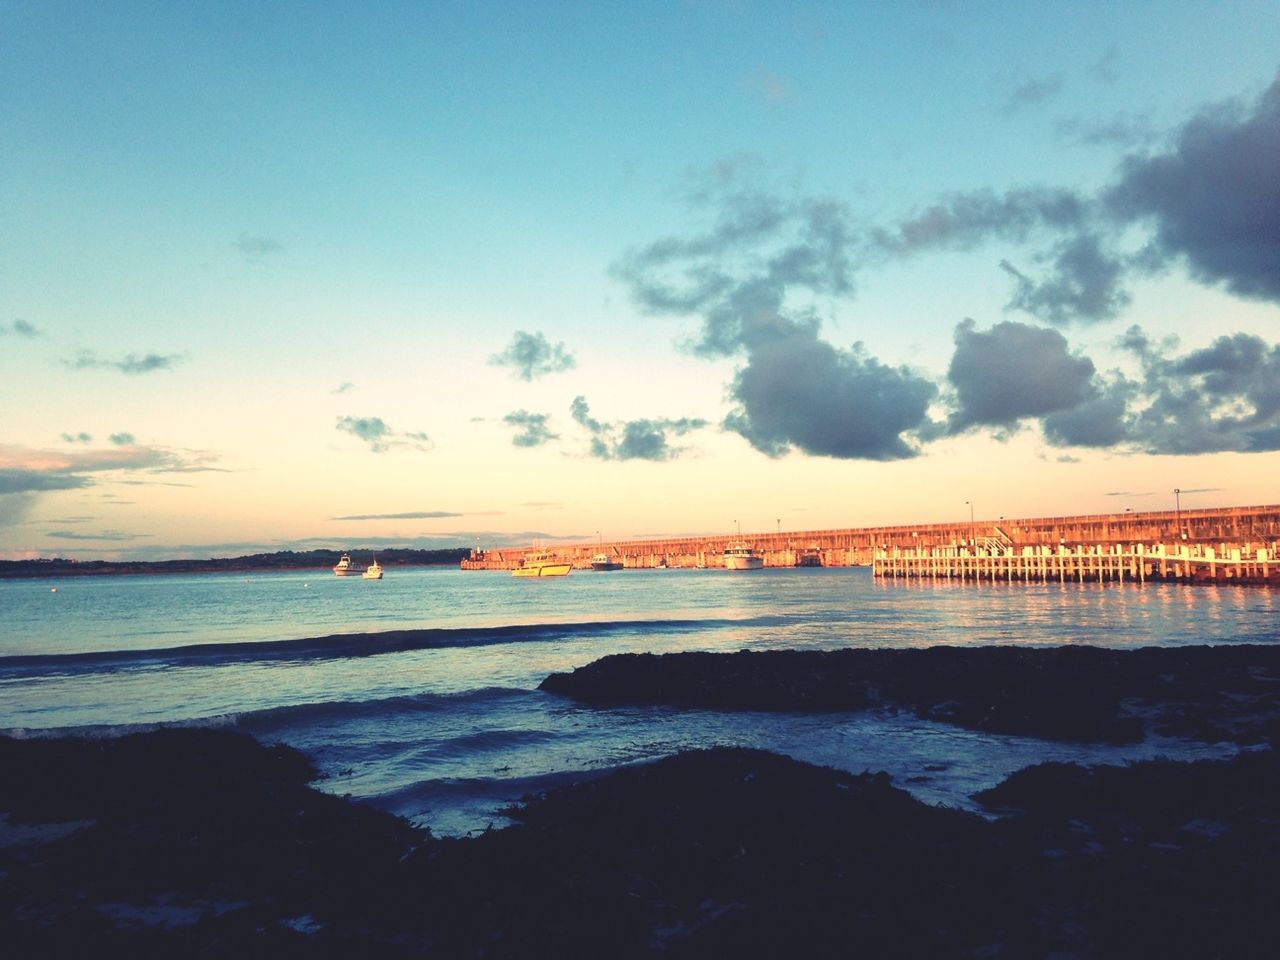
(374, 571)
(740, 555)
(345, 568)
(602, 561)
(540, 563)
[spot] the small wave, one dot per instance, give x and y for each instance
(318, 712)
(352, 645)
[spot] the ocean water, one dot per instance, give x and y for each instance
(446, 726)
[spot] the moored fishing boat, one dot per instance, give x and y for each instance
(602, 561)
(374, 571)
(541, 563)
(740, 555)
(345, 568)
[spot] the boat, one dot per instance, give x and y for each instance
(345, 568)
(740, 555)
(602, 561)
(374, 571)
(809, 557)
(541, 563)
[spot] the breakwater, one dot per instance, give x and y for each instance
(1210, 536)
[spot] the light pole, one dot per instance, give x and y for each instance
(970, 504)
(1177, 508)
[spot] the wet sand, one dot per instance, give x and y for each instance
(205, 843)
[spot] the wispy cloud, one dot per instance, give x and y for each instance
(132, 364)
(256, 248)
(105, 536)
(81, 437)
(412, 515)
(380, 437)
(531, 355)
(1032, 92)
(768, 86)
(19, 328)
(345, 387)
(123, 439)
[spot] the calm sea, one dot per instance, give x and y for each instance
(447, 727)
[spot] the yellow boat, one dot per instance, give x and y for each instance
(540, 563)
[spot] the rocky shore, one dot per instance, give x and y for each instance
(205, 843)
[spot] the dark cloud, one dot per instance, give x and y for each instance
(1084, 284)
(964, 220)
(1214, 199)
(1031, 93)
(642, 439)
(1222, 397)
(415, 515)
(81, 437)
(1100, 420)
(530, 355)
(122, 439)
(738, 276)
(257, 248)
(131, 364)
(532, 427)
(799, 391)
(1011, 372)
(380, 437)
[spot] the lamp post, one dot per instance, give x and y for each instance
(1177, 508)
(970, 504)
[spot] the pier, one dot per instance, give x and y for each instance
(1227, 544)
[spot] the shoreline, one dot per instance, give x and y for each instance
(206, 843)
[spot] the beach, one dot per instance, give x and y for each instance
(206, 842)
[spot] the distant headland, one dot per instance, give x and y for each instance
(257, 562)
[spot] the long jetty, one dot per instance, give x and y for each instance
(1237, 544)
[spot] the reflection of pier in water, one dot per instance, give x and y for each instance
(1206, 544)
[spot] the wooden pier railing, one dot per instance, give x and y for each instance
(1138, 563)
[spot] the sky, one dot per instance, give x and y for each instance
(295, 275)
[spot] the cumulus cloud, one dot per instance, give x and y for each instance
(1214, 199)
(1013, 371)
(81, 437)
(1222, 397)
(642, 439)
(532, 428)
(132, 364)
(531, 355)
(750, 277)
(123, 439)
(797, 390)
(380, 437)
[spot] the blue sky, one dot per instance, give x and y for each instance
(495, 273)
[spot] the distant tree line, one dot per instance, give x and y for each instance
(281, 560)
